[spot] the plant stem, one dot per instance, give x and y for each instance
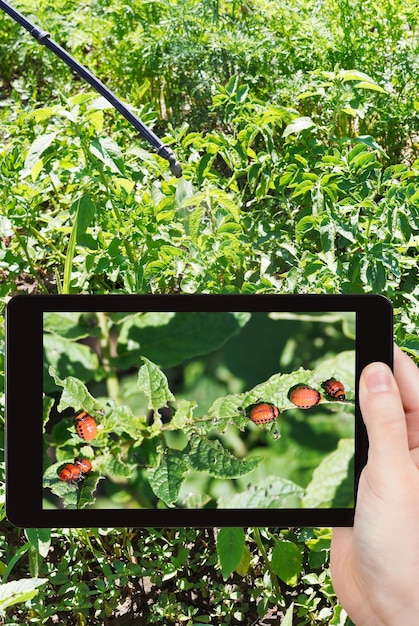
(68, 264)
(48, 243)
(29, 260)
(264, 554)
(112, 382)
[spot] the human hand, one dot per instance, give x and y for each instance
(375, 564)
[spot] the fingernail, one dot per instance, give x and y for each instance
(378, 378)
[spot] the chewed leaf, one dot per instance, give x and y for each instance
(210, 456)
(87, 490)
(183, 415)
(275, 390)
(75, 394)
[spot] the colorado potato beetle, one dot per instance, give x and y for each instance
(71, 473)
(335, 389)
(86, 426)
(263, 413)
(304, 396)
(83, 464)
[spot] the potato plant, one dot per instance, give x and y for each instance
(155, 448)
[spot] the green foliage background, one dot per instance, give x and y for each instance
(297, 127)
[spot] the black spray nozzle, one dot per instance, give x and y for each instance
(167, 153)
(43, 37)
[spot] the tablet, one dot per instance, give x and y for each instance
(177, 410)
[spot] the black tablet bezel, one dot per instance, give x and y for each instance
(24, 346)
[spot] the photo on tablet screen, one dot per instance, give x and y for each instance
(152, 410)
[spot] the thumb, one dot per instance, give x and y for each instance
(384, 418)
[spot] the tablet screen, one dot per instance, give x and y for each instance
(203, 410)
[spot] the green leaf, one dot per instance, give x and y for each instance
(40, 539)
(96, 119)
(242, 93)
(75, 394)
(171, 338)
(327, 233)
(194, 200)
(71, 325)
(117, 468)
(232, 85)
(369, 85)
(296, 126)
(122, 420)
(85, 212)
(359, 148)
(270, 493)
(167, 478)
(38, 147)
(243, 567)
(302, 188)
(37, 169)
(287, 621)
(321, 540)
(305, 225)
(346, 75)
(332, 484)
(230, 547)
(183, 414)
(39, 115)
(222, 199)
(371, 142)
(153, 383)
(87, 489)
(410, 344)
(364, 160)
(70, 357)
(210, 456)
(47, 404)
(17, 591)
(376, 275)
(286, 561)
(108, 152)
(196, 222)
(203, 166)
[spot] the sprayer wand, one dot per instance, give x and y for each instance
(43, 37)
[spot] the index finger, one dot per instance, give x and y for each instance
(407, 377)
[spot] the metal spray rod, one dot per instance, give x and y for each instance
(43, 37)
